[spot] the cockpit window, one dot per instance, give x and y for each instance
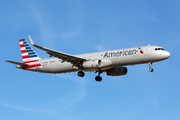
(159, 48)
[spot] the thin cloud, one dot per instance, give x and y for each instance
(76, 96)
(48, 35)
(155, 104)
(71, 33)
(46, 31)
(22, 108)
(171, 43)
(99, 48)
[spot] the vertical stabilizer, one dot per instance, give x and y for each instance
(29, 56)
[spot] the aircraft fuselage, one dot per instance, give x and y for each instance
(118, 58)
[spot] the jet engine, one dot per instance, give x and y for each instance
(92, 63)
(96, 63)
(118, 71)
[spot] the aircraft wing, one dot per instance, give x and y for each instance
(65, 57)
(17, 63)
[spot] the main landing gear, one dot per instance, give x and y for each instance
(98, 78)
(81, 74)
(150, 65)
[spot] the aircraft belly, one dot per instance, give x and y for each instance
(60, 68)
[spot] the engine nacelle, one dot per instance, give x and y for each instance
(118, 71)
(92, 64)
(96, 63)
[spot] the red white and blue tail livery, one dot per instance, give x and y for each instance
(112, 62)
(29, 56)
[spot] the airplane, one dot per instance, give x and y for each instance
(112, 62)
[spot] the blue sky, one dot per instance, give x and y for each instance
(77, 26)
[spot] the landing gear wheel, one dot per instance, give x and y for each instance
(98, 78)
(151, 70)
(80, 74)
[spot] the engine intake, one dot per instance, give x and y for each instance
(118, 71)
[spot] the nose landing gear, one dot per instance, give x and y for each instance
(150, 65)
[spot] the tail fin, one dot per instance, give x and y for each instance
(29, 56)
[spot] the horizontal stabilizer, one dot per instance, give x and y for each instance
(17, 63)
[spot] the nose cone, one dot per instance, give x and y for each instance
(166, 54)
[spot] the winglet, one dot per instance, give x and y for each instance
(32, 42)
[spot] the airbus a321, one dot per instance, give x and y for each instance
(112, 62)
